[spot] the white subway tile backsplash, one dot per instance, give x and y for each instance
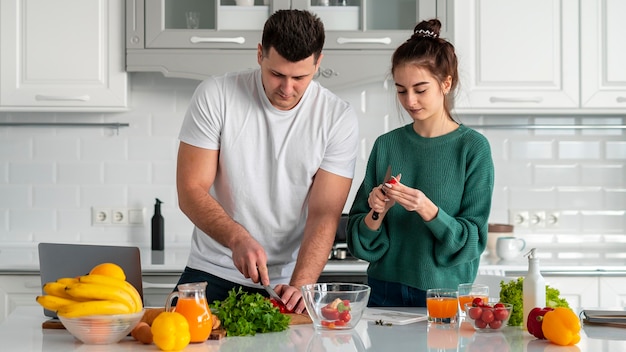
(51, 177)
(580, 150)
(529, 150)
(55, 197)
(31, 172)
(80, 173)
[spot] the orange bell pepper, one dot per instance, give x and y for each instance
(170, 331)
(561, 326)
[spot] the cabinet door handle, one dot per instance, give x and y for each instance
(40, 97)
(146, 284)
(342, 40)
(515, 100)
(236, 40)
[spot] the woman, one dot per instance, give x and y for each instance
(431, 226)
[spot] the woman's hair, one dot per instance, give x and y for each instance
(294, 34)
(426, 50)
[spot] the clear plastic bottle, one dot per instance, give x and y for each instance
(534, 287)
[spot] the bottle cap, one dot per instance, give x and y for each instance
(531, 254)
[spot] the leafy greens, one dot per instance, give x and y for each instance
(512, 292)
(243, 313)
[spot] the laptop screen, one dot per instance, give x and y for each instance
(57, 260)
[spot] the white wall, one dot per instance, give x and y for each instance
(51, 177)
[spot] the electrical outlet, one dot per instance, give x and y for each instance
(519, 218)
(119, 216)
(100, 216)
(538, 218)
(552, 219)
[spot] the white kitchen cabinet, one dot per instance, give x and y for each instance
(156, 288)
(603, 54)
(612, 291)
(579, 291)
(18, 290)
(360, 37)
(63, 55)
(517, 54)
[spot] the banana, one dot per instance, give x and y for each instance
(67, 280)
(92, 291)
(54, 288)
(99, 307)
(115, 282)
(53, 303)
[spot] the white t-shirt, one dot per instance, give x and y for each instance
(272, 156)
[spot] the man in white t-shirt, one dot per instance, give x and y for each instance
(265, 165)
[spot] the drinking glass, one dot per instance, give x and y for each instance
(469, 291)
(442, 305)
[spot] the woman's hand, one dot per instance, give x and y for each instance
(410, 199)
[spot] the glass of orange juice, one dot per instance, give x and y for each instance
(469, 291)
(442, 305)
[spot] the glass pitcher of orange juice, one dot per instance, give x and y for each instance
(193, 305)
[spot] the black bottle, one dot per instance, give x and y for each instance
(157, 227)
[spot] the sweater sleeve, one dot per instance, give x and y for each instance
(463, 237)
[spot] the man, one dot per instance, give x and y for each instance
(265, 165)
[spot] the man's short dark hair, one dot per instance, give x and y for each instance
(294, 34)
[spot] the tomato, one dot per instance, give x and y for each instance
(328, 324)
(478, 302)
(345, 316)
(500, 313)
(283, 309)
(480, 324)
(496, 324)
(340, 323)
(499, 305)
(330, 313)
(487, 316)
(475, 312)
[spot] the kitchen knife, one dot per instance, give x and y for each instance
(276, 297)
(387, 178)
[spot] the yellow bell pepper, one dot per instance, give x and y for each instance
(170, 331)
(561, 326)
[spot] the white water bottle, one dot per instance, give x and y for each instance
(534, 287)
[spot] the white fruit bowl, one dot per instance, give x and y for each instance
(101, 329)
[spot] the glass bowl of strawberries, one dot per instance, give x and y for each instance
(488, 317)
(336, 306)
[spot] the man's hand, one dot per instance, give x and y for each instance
(292, 297)
(250, 259)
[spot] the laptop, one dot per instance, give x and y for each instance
(58, 260)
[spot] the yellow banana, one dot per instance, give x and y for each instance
(53, 303)
(81, 290)
(115, 282)
(99, 307)
(54, 288)
(67, 280)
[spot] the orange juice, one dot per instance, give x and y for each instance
(470, 299)
(442, 307)
(198, 315)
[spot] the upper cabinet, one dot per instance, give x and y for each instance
(540, 55)
(198, 38)
(63, 55)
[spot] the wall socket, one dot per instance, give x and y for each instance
(534, 218)
(122, 216)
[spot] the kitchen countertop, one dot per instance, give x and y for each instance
(23, 259)
(22, 331)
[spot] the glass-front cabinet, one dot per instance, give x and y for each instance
(195, 38)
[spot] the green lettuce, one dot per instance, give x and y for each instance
(512, 292)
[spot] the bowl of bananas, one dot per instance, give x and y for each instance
(101, 329)
(98, 308)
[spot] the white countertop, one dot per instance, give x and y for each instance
(22, 259)
(22, 331)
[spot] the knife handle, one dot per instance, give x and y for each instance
(375, 215)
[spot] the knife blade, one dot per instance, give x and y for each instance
(387, 178)
(275, 296)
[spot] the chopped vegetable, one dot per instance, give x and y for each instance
(243, 313)
(511, 292)
(336, 313)
(561, 326)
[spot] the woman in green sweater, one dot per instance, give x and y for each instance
(432, 218)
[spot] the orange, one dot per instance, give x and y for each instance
(109, 269)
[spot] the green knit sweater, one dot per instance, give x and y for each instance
(456, 172)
